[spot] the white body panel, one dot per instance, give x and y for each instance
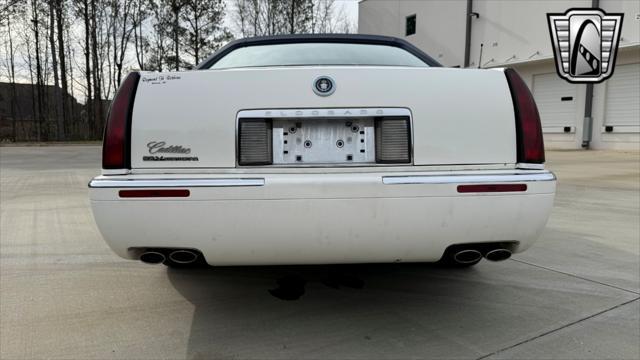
(323, 218)
(459, 116)
(462, 129)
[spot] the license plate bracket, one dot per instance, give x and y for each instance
(323, 141)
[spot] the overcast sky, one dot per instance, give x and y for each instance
(350, 10)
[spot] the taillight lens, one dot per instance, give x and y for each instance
(115, 144)
(528, 127)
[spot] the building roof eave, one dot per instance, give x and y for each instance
(543, 58)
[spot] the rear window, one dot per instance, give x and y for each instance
(300, 54)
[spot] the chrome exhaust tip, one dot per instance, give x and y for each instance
(152, 257)
(467, 256)
(498, 255)
(183, 256)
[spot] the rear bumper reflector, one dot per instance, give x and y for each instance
(154, 193)
(491, 188)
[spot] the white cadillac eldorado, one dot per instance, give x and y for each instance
(322, 150)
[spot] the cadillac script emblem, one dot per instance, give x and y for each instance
(585, 43)
(324, 86)
(158, 148)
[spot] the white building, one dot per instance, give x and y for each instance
(515, 34)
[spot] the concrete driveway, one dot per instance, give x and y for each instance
(63, 294)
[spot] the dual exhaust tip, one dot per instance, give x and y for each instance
(180, 256)
(472, 256)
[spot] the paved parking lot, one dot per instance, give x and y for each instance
(63, 294)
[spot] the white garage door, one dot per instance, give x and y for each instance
(556, 101)
(622, 107)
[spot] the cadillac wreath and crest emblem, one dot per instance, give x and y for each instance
(585, 42)
(324, 86)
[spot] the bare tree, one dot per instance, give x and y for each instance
(73, 116)
(121, 28)
(39, 114)
(83, 10)
(11, 72)
(204, 31)
(177, 29)
(28, 59)
(255, 9)
(321, 16)
(241, 16)
(7, 9)
(299, 15)
(60, 21)
(142, 10)
(85, 47)
(97, 77)
(172, 10)
(165, 39)
(272, 17)
(159, 39)
(57, 103)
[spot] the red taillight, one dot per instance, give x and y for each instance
(115, 145)
(528, 127)
(491, 188)
(147, 193)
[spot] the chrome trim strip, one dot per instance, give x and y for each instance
(102, 182)
(323, 112)
(467, 179)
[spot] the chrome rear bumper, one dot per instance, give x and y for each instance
(146, 181)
